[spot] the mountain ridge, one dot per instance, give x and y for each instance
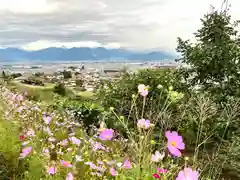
(80, 53)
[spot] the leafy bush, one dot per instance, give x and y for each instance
(67, 74)
(120, 94)
(89, 114)
(33, 81)
(16, 75)
(60, 89)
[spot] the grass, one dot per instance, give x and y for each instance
(46, 93)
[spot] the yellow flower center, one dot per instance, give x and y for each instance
(174, 143)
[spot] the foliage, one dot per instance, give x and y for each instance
(214, 59)
(86, 113)
(120, 94)
(67, 74)
(60, 89)
(16, 75)
(33, 81)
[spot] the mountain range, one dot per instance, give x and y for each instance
(81, 53)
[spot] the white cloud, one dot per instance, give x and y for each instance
(137, 24)
(27, 6)
(46, 44)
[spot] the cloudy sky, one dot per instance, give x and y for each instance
(133, 24)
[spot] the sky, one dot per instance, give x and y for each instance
(131, 24)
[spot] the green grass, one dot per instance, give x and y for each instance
(46, 93)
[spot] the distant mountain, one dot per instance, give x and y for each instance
(82, 53)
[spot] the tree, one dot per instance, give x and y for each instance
(213, 61)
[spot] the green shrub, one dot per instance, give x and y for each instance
(33, 81)
(67, 74)
(60, 89)
(119, 94)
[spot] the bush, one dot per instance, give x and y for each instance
(16, 75)
(60, 89)
(33, 81)
(119, 94)
(87, 113)
(67, 74)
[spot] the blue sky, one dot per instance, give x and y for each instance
(133, 24)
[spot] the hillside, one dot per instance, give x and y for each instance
(83, 53)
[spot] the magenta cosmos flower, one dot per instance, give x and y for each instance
(175, 142)
(156, 176)
(187, 174)
(143, 90)
(106, 134)
(144, 123)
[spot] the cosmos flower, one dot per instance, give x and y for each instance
(100, 162)
(127, 164)
(64, 142)
(113, 171)
(156, 176)
(66, 163)
(160, 170)
(175, 142)
(187, 174)
(47, 119)
(69, 176)
(98, 146)
(25, 152)
(75, 140)
(143, 90)
(106, 134)
(157, 156)
(91, 164)
(144, 123)
(52, 170)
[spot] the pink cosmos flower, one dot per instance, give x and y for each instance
(66, 163)
(187, 174)
(75, 140)
(98, 146)
(144, 123)
(162, 170)
(47, 119)
(69, 176)
(175, 142)
(64, 142)
(113, 171)
(157, 176)
(100, 162)
(25, 152)
(106, 134)
(52, 170)
(127, 164)
(91, 164)
(143, 90)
